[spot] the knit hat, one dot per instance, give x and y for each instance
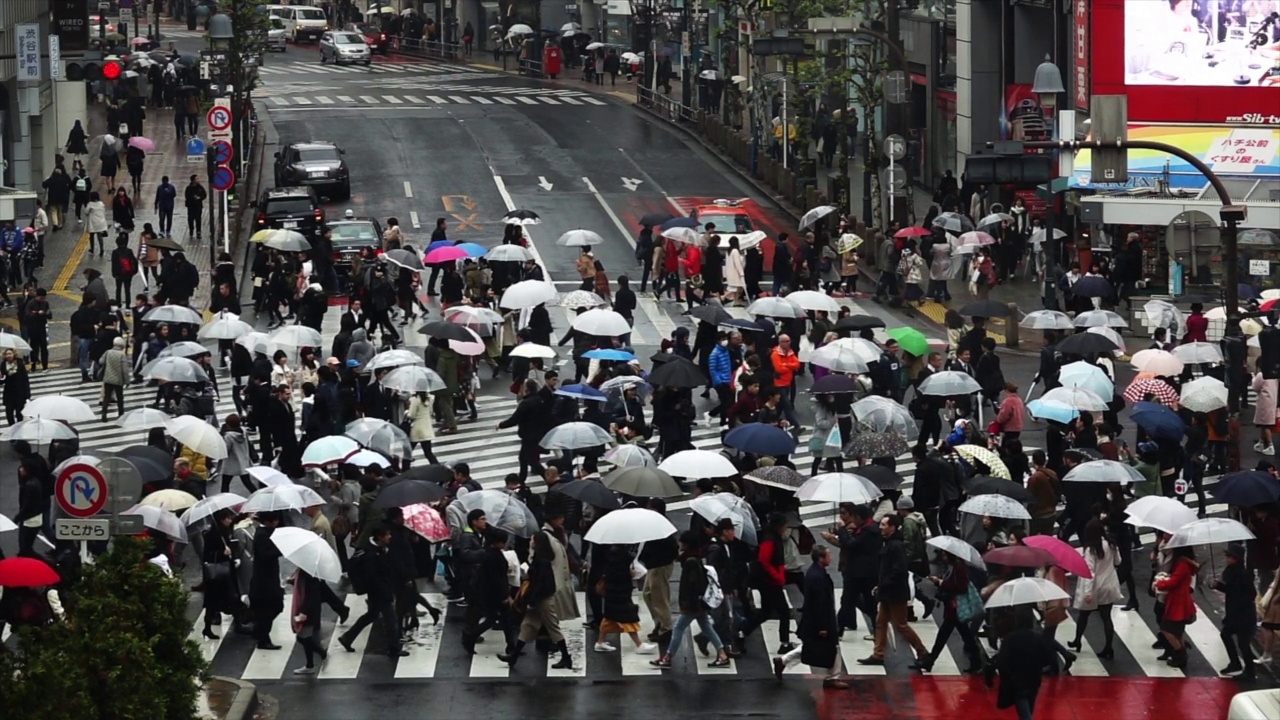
(906, 503)
(118, 343)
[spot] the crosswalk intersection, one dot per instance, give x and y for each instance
(277, 66)
(442, 96)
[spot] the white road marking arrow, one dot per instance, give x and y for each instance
(631, 183)
(542, 183)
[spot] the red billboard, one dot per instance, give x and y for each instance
(1189, 61)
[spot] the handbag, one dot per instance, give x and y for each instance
(832, 444)
(969, 605)
(341, 526)
(215, 572)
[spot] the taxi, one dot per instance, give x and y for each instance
(731, 220)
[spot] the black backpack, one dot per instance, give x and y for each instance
(358, 572)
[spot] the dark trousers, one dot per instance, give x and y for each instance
(262, 620)
(27, 537)
(193, 219)
(856, 596)
(39, 341)
(482, 616)
(108, 392)
(646, 267)
(431, 280)
(166, 219)
(530, 455)
(950, 623)
(248, 482)
(124, 289)
(1237, 644)
(724, 398)
(773, 606)
(382, 611)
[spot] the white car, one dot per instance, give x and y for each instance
(304, 23)
(344, 47)
(276, 35)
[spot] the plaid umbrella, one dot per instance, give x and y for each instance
(876, 445)
(1163, 392)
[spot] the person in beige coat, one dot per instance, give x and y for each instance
(421, 424)
(115, 376)
(564, 600)
(1099, 593)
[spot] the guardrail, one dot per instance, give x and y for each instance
(432, 49)
(668, 108)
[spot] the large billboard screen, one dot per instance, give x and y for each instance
(1189, 61)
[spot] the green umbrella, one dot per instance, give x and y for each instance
(911, 340)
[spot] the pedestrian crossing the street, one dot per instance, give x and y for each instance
(273, 67)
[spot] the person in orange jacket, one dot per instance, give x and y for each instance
(786, 363)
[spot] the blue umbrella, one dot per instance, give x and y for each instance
(1091, 286)
(1052, 411)
(438, 244)
(1160, 422)
(581, 392)
(473, 249)
(760, 439)
(609, 354)
(1248, 488)
(685, 222)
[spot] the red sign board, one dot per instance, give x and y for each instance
(1080, 55)
(80, 490)
(1182, 63)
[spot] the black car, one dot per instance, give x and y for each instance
(290, 208)
(314, 164)
(351, 235)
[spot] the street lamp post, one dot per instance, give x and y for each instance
(1047, 85)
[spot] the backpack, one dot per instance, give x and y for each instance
(358, 572)
(34, 609)
(713, 595)
(82, 184)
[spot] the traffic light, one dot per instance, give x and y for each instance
(84, 71)
(111, 70)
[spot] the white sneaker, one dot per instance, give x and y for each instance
(304, 671)
(1257, 447)
(604, 648)
(647, 649)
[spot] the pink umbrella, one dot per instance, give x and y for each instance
(474, 346)
(139, 41)
(426, 521)
(143, 144)
(29, 230)
(444, 255)
(1064, 556)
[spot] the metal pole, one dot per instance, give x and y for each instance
(786, 136)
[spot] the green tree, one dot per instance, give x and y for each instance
(123, 651)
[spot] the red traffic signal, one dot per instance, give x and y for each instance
(111, 70)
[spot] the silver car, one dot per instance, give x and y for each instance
(344, 47)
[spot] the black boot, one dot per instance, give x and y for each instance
(511, 658)
(565, 662)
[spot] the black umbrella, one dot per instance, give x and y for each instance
(446, 331)
(677, 372)
(655, 218)
(399, 493)
(521, 214)
(439, 474)
(832, 384)
(985, 308)
(711, 313)
(153, 464)
(1092, 286)
(1086, 343)
(984, 485)
(883, 477)
(590, 492)
(859, 322)
(740, 324)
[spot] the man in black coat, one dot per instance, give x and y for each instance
(893, 591)
(818, 629)
(1022, 656)
(373, 570)
(731, 559)
(859, 540)
(488, 600)
(266, 594)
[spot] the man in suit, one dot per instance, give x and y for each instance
(926, 407)
(962, 363)
(818, 629)
(355, 315)
(266, 595)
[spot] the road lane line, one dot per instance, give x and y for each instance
(680, 212)
(408, 189)
(482, 100)
(342, 664)
(413, 219)
(424, 652)
(524, 229)
(575, 640)
(276, 100)
(593, 101)
(437, 99)
(460, 100)
(526, 100)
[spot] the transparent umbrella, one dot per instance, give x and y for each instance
(59, 407)
(413, 379)
(394, 359)
(582, 299)
(839, 487)
(12, 341)
(296, 336)
(329, 450)
(198, 435)
(38, 430)
(1104, 471)
(880, 414)
(995, 506)
(174, 369)
(1047, 320)
(380, 435)
(628, 455)
(225, 326)
(161, 521)
(697, 464)
(1100, 318)
(185, 349)
(949, 382)
(173, 314)
(170, 499)
(282, 497)
(210, 506)
(502, 510)
(714, 506)
(575, 436)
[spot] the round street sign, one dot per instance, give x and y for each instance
(219, 118)
(895, 147)
(222, 152)
(223, 178)
(195, 146)
(81, 490)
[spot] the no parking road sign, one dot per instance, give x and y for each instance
(222, 152)
(223, 178)
(81, 490)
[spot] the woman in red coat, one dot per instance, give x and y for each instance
(670, 269)
(691, 266)
(1179, 607)
(1197, 325)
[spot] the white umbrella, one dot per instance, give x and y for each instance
(961, 549)
(751, 240)
(582, 299)
(1026, 591)
(995, 506)
(197, 435)
(1157, 362)
(296, 336)
(508, 253)
(173, 314)
(570, 26)
(839, 487)
(519, 29)
(881, 414)
(949, 382)
(717, 506)
(1209, 530)
(628, 455)
(252, 341)
(59, 407)
(281, 497)
(170, 499)
(1100, 318)
(1047, 320)
(1163, 314)
(685, 235)
(329, 450)
(1086, 376)
(815, 215)
(160, 520)
(308, 552)
(1076, 398)
(579, 238)
(268, 476)
(595, 45)
(604, 323)
(811, 300)
(11, 341)
(174, 369)
(479, 319)
(394, 359)
(630, 526)
(839, 357)
(210, 506)
(575, 436)
(697, 464)
(533, 351)
(413, 379)
(1103, 471)
(502, 509)
(366, 458)
(1198, 352)
(225, 326)
(1159, 512)
(185, 349)
(776, 307)
(380, 435)
(1038, 236)
(38, 430)
(527, 294)
(865, 349)
(1204, 394)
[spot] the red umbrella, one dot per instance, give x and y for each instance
(26, 572)
(913, 231)
(1064, 556)
(444, 255)
(1163, 392)
(1022, 556)
(1269, 305)
(426, 521)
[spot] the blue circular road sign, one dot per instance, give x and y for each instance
(222, 152)
(223, 178)
(195, 146)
